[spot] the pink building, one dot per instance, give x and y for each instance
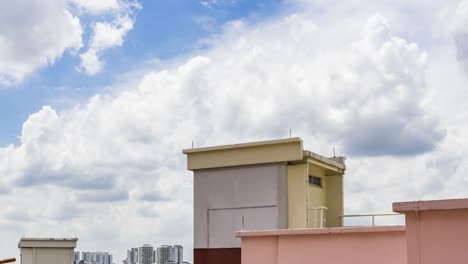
(436, 232)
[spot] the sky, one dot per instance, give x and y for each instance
(98, 99)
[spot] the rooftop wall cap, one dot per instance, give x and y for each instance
(321, 231)
(47, 239)
(27, 242)
(242, 145)
(431, 205)
(329, 161)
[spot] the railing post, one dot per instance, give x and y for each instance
(321, 217)
(373, 220)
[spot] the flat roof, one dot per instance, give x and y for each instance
(33, 242)
(431, 205)
(321, 231)
(328, 161)
(47, 239)
(243, 145)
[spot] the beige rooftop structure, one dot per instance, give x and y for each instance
(47, 250)
(263, 185)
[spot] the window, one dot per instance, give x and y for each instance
(316, 181)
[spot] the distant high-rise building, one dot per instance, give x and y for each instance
(132, 256)
(163, 254)
(169, 254)
(76, 258)
(96, 258)
(177, 254)
(145, 254)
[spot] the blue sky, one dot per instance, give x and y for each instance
(97, 102)
(163, 30)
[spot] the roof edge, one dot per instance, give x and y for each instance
(321, 231)
(242, 145)
(430, 205)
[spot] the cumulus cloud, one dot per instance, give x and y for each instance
(105, 35)
(365, 96)
(153, 196)
(15, 215)
(103, 196)
(105, 6)
(33, 35)
(97, 6)
(460, 30)
(216, 3)
(148, 211)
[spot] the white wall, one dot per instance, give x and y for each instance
(223, 196)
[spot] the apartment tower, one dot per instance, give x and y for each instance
(145, 254)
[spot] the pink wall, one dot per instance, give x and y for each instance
(338, 245)
(437, 231)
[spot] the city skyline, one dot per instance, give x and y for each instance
(132, 255)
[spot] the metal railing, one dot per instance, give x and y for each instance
(319, 216)
(372, 216)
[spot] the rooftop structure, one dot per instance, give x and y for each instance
(47, 250)
(262, 185)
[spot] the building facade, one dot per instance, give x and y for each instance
(96, 257)
(177, 254)
(263, 185)
(132, 256)
(47, 250)
(169, 254)
(145, 254)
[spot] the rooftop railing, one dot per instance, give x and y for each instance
(319, 217)
(371, 216)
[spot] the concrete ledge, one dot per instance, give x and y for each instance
(450, 204)
(320, 231)
(47, 242)
(244, 145)
(261, 152)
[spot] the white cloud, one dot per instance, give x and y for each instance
(97, 7)
(460, 31)
(217, 3)
(90, 62)
(105, 35)
(33, 35)
(94, 7)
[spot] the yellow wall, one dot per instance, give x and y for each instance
(317, 196)
(334, 193)
(297, 196)
(303, 197)
(330, 196)
(46, 255)
(26, 255)
(282, 150)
